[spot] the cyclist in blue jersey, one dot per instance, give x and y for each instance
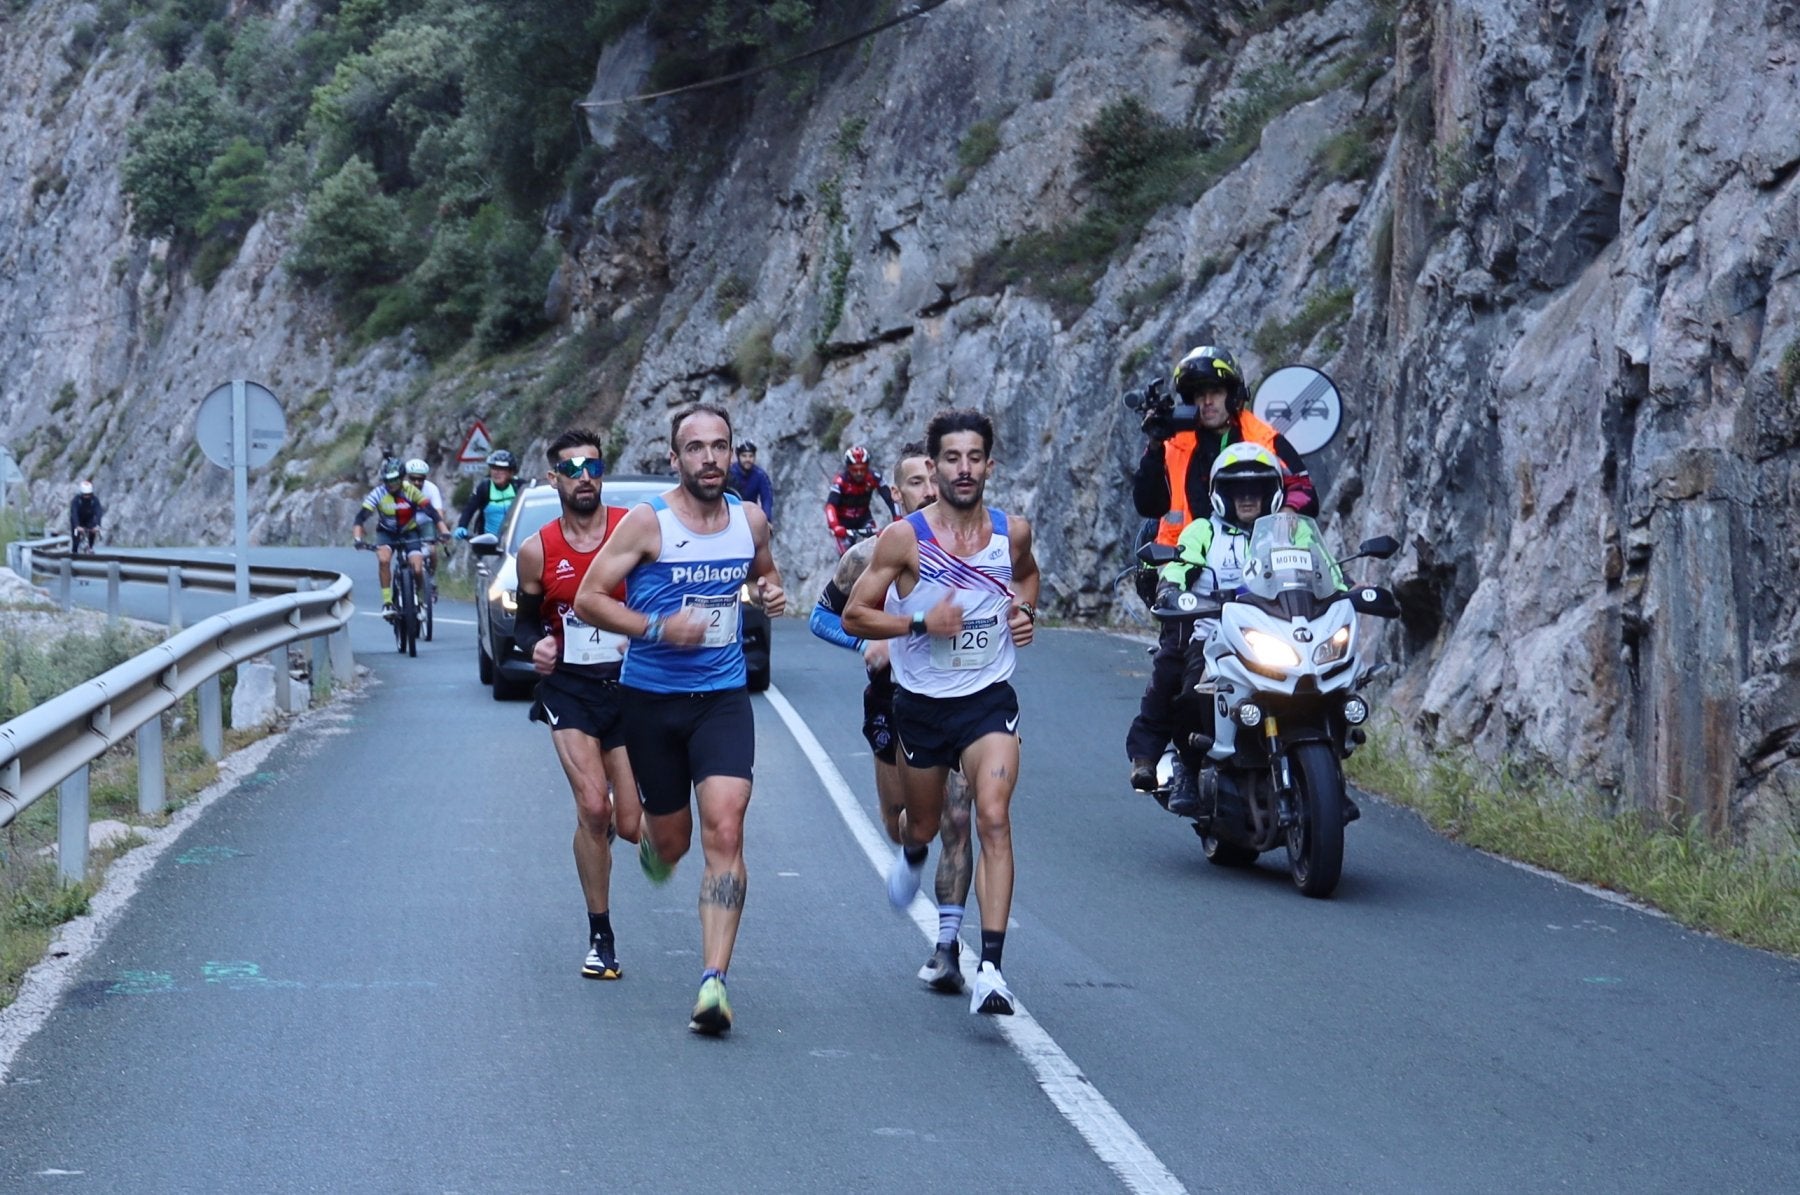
(491, 499)
(684, 557)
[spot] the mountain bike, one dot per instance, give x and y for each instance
(407, 616)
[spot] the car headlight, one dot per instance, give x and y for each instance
(746, 595)
(1270, 652)
(507, 597)
(1333, 649)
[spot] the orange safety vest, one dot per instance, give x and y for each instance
(1178, 451)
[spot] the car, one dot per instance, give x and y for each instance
(497, 658)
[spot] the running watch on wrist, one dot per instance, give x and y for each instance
(918, 622)
(1029, 609)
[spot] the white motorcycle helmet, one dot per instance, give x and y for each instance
(1247, 470)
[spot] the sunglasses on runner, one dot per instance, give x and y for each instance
(575, 466)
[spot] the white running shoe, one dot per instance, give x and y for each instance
(990, 994)
(903, 880)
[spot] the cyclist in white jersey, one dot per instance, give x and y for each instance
(956, 586)
(683, 556)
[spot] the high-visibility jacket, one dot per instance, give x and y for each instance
(1178, 452)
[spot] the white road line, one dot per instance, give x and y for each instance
(449, 622)
(1099, 1123)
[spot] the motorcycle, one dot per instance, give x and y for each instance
(1270, 705)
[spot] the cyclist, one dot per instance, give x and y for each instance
(492, 498)
(750, 481)
(419, 474)
(853, 491)
(402, 515)
(1172, 485)
(85, 513)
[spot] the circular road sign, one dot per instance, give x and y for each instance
(1302, 404)
(267, 423)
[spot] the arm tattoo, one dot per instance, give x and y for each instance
(725, 890)
(853, 565)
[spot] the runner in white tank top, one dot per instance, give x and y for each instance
(959, 583)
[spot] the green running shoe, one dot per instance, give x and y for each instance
(655, 869)
(712, 1011)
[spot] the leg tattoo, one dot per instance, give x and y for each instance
(725, 891)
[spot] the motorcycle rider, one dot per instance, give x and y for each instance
(492, 498)
(847, 506)
(85, 513)
(1173, 484)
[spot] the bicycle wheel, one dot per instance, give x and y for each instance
(402, 603)
(430, 604)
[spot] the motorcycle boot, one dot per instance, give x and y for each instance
(1143, 775)
(1184, 791)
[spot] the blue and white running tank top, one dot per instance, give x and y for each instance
(979, 655)
(703, 573)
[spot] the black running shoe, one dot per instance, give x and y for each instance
(602, 961)
(943, 971)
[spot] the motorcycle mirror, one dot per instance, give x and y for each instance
(1157, 553)
(1373, 599)
(1381, 547)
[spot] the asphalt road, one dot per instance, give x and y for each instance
(359, 973)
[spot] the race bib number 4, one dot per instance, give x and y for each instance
(1298, 559)
(721, 615)
(975, 646)
(583, 644)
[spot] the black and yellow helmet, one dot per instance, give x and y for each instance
(1209, 366)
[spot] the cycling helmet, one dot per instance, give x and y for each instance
(855, 455)
(1247, 469)
(748, 447)
(501, 459)
(86, 487)
(417, 468)
(1210, 366)
(391, 471)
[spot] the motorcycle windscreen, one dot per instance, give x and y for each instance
(1287, 552)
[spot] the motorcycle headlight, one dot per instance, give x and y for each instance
(1271, 652)
(1333, 649)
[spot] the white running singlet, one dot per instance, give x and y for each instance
(979, 655)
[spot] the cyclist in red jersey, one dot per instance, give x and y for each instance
(578, 697)
(848, 512)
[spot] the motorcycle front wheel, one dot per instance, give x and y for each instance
(1315, 842)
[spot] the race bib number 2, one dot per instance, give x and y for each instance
(721, 615)
(975, 646)
(583, 644)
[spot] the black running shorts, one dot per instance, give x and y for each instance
(676, 740)
(595, 707)
(934, 731)
(878, 714)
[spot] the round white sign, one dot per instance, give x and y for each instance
(1302, 404)
(265, 419)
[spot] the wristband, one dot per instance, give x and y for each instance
(1029, 609)
(653, 629)
(918, 622)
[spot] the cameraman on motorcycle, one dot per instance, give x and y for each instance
(1172, 483)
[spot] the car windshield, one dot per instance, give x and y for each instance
(538, 505)
(1288, 552)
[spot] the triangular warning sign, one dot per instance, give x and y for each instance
(476, 447)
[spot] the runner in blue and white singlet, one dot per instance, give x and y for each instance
(982, 653)
(697, 572)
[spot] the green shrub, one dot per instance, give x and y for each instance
(979, 145)
(1322, 309)
(164, 170)
(350, 239)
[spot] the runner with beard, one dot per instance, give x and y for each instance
(682, 558)
(955, 585)
(579, 696)
(943, 970)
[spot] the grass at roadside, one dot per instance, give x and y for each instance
(1700, 882)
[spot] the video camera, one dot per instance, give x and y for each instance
(1161, 415)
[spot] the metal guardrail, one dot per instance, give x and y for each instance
(51, 746)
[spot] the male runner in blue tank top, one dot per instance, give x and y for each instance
(682, 557)
(955, 585)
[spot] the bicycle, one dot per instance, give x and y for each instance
(406, 618)
(83, 539)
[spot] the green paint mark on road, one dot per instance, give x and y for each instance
(207, 854)
(142, 983)
(237, 975)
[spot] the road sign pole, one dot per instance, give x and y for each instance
(240, 485)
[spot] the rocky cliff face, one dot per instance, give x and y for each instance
(1546, 249)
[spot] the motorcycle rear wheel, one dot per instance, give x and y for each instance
(1315, 843)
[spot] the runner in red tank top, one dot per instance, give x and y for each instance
(578, 697)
